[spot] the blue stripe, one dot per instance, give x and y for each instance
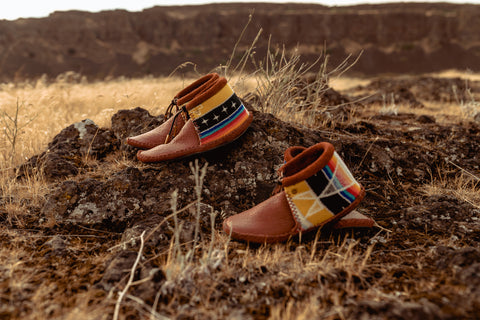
(347, 195)
(336, 183)
(328, 172)
(222, 124)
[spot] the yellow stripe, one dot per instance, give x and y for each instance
(297, 188)
(301, 188)
(211, 103)
(307, 203)
(320, 216)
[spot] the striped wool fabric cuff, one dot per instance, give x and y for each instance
(219, 115)
(323, 195)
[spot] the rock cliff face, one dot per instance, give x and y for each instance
(397, 38)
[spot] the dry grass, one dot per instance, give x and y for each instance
(444, 113)
(50, 107)
(463, 185)
(47, 108)
(468, 75)
(345, 83)
(64, 287)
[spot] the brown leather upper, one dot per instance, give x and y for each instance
(187, 143)
(311, 161)
(292, 152)
(196, 88)
(183, 144)
(156, 136)
(270, 221)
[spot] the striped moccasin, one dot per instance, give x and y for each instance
(213, 118)
(317, 188)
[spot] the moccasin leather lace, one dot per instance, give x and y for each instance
(179, 111)
(168, 112)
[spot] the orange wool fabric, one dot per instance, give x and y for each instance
(213, 117)
(195, 88)
(313, 159)
(207, 94)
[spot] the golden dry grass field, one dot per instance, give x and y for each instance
(404, 267)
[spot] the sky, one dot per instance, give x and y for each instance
(11, 10)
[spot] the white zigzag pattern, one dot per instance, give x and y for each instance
(324, 193)
(310, 195)
(304, 223)
(318, 204)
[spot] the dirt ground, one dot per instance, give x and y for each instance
(102, 217)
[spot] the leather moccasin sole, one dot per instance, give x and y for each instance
(187, 143)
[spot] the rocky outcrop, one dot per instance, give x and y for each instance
(395, 38)
(398, 158)
(68, 153)
(239, 174)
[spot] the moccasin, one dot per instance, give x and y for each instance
(351, 220)
(210, 120)
(316, 189)
(167, 130)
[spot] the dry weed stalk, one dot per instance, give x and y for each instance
(469, 108)
(389, 108)
(17, 195)
(283, 85)
(13, 128)
(179, 260)
(229, 70)
(343, 262)
(198, 175)
(464, 185)
(292, 90)
(116, 313)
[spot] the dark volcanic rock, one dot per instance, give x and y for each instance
(126, 123)
(69, 151)
(459, 257)
(238, 175)
(442, 215)
(423, 263)
(118, 272)
(118, 269)
(388, 93)
(92, 202)
(243, 173)
(412, 91)
(393, 309)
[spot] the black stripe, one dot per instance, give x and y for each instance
(335, 203)
(318, 182)
(218, 114)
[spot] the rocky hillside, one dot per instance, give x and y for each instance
(68, 254)
(398, 38)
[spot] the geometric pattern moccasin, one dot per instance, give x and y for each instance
(353, 219)
(213, 118)
(316, 188)
(167, 130)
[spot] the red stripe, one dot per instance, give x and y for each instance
(331, 164)
(354, 190)
(231, 126)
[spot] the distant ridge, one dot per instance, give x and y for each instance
(395, 38)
